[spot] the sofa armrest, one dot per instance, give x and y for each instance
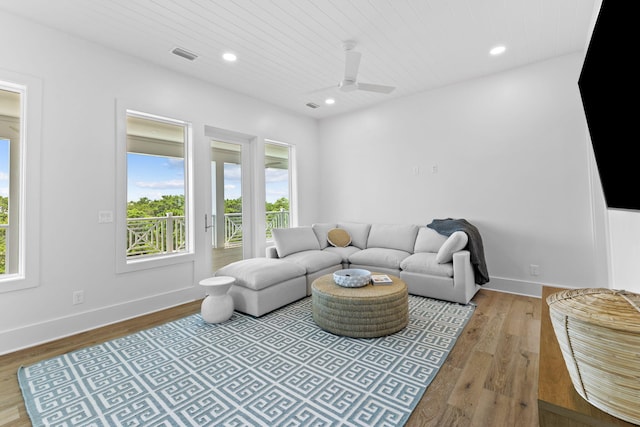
(463, 276)
(271, 252)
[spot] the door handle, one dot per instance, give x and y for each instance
(207, 226)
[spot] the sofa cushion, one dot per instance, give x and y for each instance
(322, 230)
(359, 232)
(339, 237)
(425, 263)
(393, 236)
(344, 253)
(291, 240)
(456, 242)
(260, 273)
(379, 257)
(429, 240)
(314, 260)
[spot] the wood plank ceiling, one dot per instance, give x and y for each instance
(288, 49)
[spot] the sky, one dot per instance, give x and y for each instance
(154, 176)
(4, 167)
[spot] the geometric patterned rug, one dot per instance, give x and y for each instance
(276, 370)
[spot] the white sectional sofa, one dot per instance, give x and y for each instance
(431, 264)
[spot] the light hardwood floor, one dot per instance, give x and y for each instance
(224, 256)
(489, 379)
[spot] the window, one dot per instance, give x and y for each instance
(19, 210)
(157, 189)
(10, 124)
(277, 178)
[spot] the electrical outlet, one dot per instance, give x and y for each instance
(534, 270)
(78, 297)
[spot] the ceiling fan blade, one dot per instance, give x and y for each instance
(351, 66)
(350, 81)
(375, 88)
(348, 86)
(324, 89)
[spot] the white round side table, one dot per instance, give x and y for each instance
(218, 305)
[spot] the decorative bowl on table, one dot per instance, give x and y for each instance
(352, 277)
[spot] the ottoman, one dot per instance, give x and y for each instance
(366, 312)
(264, 284)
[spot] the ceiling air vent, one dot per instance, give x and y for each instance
(312, 105)
(184, 53)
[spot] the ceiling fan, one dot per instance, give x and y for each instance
(350, 81)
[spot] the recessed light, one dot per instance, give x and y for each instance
(229, 57)
(497, 50)
(329, 101)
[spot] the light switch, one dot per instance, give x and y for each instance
(105, 217)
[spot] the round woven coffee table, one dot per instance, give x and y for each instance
(366, 312)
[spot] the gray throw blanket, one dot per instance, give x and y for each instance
(448, 226)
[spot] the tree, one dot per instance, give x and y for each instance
(281, 204)
(233, 205)
(4, 210)
(146, 208)
(4, 219)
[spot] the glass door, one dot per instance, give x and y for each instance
(229, 223)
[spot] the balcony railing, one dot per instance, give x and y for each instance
(233, 226)
(4, 247)
(161, 235)
(277, 219)
(232, 230)
(155, 235)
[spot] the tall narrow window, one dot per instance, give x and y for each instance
(277, 177)
(20, 121)
(156, 186)
(10, 186)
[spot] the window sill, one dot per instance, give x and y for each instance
(127, 266)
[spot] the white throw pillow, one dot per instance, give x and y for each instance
(429, 240)
(359, 233)
(393, 236)
(322, 230)
(456, 242)
(291, 240)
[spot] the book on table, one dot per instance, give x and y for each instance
(381, 279)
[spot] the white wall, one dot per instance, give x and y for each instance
(513, 157)
(624, 227)
(81, 82)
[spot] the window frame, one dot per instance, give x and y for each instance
(30, 89)
(123, 263)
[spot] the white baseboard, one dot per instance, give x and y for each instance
(53, 329)
(50, 330)
(520, 287)
(511, 286)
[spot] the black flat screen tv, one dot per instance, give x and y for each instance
(608, 86)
